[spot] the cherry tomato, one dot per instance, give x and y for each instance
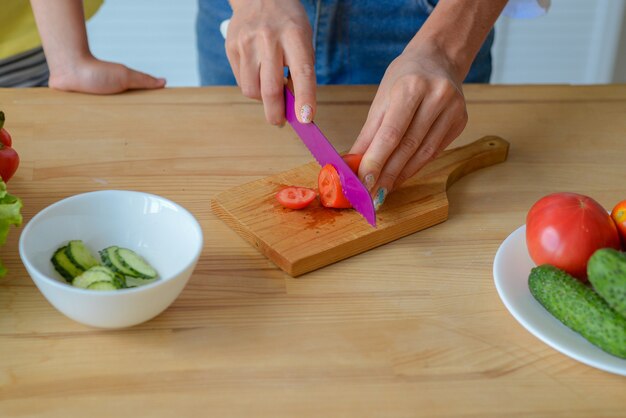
(5, 138)
(329, 183)
(293, 197)
(565, 229)
(9, 160)
(619, 217)
(353, 161)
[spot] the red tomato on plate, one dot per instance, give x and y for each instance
(565, 229)
(293, 197)
(619, 217)
(329, 184)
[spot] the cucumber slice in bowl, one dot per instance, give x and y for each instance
(102, 286)
(78, 253)
(64, 266)
(97, 274)
(135, 263)
(111, 260)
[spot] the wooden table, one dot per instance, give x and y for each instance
(413, 328)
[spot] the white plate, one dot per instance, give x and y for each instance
(511, 268)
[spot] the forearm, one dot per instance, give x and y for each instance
(458, 28)
(61, 25)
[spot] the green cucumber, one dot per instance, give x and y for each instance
(102, 286)
(64, 266)
(117, 278)
(580, 308)
(111, 260)
(80, 255)
(606, 270)
(135, 263)
(91, 276)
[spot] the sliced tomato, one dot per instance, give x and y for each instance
(329, 183)
(293, 197)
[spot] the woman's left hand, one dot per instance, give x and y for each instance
(418, 111)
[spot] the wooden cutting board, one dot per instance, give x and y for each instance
(300, 241)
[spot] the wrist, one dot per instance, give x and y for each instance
(457, 29)
(68, 63)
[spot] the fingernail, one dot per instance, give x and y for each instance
(306, 113)
(369, 181)
(381, 194)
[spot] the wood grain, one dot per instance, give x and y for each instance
(302, 241)
(411, 328)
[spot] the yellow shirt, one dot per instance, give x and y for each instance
(18, 31)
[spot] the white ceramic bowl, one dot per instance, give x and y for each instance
(161, 231)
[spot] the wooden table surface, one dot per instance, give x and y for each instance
(413, 328)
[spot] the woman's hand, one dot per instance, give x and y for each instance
(61, 24)
(418, 111)
(263, 37)
(90, 75)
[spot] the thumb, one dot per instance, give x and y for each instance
(139, 80)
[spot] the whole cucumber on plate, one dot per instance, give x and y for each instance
(579, 307)
(606, 270)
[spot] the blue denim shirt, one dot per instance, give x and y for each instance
(354, 40)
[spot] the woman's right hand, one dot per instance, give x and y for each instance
(263, 37)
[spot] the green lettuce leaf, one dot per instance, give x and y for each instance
(10, 207)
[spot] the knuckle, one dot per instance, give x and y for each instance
(272, 91)
(305, 70)
(389, 136)
(429, 151)
(412, 86)
(231, 46)
(409, 144)
(444, 90)
(250, 91)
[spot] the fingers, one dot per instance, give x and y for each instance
(272, 84)
(300, 59)
(437, 140)
(258, 65)
(249, 77)
(388, 136)
(139, 80)
(431, 121)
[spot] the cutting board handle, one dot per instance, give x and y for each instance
(457, 162)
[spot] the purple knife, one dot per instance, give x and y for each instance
(325, 153)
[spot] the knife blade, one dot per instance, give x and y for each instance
(324, 152)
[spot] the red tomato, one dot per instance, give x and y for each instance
(353, 161)
(331, 193)
(565, 229)
(5, 138)
(293, 197)
(619, 217)
(9, 161)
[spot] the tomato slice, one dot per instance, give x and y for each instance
(331, 193)
(294, 197)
